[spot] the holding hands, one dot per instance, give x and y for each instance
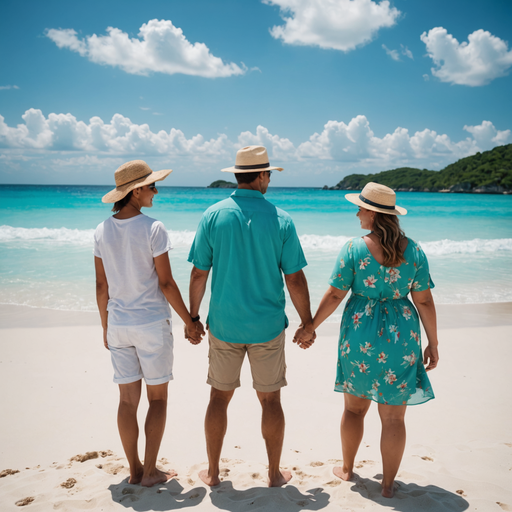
(194, 332)
(305, 336)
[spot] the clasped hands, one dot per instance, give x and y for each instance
(194, 332)
(304, 336)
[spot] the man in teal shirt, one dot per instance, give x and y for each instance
(249, 244)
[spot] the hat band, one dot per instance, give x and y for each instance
(367, 201)
(136, 179)
(255, 166)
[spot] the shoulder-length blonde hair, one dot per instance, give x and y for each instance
(388, 230)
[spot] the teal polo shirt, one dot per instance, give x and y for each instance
(248, 243)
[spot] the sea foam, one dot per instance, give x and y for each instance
(309, 242)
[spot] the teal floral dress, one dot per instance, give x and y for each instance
(379, 354)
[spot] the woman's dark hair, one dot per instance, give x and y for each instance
(388, 230)
(118, 205)
(246, 177)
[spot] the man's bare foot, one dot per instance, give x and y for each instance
(212, 481)
(157, 477)
(389, 491)
(343, 473)
(282, 478)
(136, 476)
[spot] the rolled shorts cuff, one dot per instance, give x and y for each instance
(128, 380)
(223, 387)
(157, 382)
(269, 389)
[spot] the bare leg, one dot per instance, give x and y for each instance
(154, 429)
(392, 444)
(128, 428)
(352, 429)
(272, 429)
(215, 426)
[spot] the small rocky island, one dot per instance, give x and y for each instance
(489, 172)
(222, 184)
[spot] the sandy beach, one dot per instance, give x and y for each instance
(59, 402)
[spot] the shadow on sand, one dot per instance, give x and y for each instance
(168, 496)
(283, 499)
(410, 497)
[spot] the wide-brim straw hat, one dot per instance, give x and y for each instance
(251, 159)
(131, 175)
(377, 198)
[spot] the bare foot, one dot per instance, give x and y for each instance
(343, 473)
(157, 477)
(136, 475)
(389, 492)
(212, 481)
(282, 478)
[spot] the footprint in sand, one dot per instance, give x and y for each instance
(6, 472)
(461, 492)
(69, 483)
(333, 483)
(224, 472)
(316, 464)
(112, 469)
(361, 464)
(24, 501)
(427, 458)
(84, 457)
(504, 506)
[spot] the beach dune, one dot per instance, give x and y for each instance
(60, 448)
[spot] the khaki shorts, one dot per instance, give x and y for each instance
(268, 366)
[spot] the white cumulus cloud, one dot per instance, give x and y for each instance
(476, 62)
(337, 24)
(351, 145)
(161, 47)
(392, 53)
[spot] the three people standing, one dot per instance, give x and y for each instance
(249, 244)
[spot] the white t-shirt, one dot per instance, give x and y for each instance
(127, 248)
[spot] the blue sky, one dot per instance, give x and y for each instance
(330, 87)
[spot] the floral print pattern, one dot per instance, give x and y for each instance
(383, 324)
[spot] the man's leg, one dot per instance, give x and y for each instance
(272, 428)
(215, 426)
(154, 429)
(352, 428)
(128, 428)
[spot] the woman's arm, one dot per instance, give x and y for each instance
(424, 303)
(328, 305)
(193, 330)
(102, 295)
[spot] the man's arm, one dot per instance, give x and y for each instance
(198, 279)
(299, 293)
(102, 295)
(193, 330)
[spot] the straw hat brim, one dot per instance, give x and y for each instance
(119, 192)
(234, 170)
(354, 198)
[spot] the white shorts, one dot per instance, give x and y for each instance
(144, 351)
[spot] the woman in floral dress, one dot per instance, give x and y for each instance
(379, 355)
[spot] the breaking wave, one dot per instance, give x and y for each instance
(185, 238)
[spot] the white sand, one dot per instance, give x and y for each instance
(58, 400)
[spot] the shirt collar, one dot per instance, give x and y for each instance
(243, 192)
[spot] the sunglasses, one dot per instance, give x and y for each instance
(152, 187)
(269, 173)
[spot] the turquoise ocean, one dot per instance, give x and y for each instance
(46, 240)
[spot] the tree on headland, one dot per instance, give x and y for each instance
(490, 171)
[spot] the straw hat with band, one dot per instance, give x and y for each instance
(251, 159)
(131, 175)
(377, 198)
